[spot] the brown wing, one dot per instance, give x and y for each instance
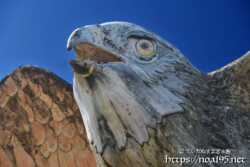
(40, 124)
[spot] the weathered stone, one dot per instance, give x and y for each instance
(51, 141)
(149, 151)
(1, 134)
(184, 107)
(57, 127)
(22, 158)
(80, 126)
(111, 158)
(75, 107)
(21, 96)
(64, 143)
(44, 149)
(9, 118)
(68, 131)
(4, 98)
(60, 95)
(5, 136)
(42, 117)
(4, 159)
(25, 125)
(34, 88)
(21, 80)
(38, 133)
(57, 113)
(29, 135)
(53, 160)
(69, 112)
(57, 95)
(84, 158)
(47, 100)
(41, 161)
(78, 143)
(1, 92)
(51, 81)
(42, 112)
(135, 158)
(29, 112)
(11, 86)
(66, 159)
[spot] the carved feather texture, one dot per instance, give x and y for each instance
(118, 108)
(40, 124)
(131, 109)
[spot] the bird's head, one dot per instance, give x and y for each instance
(125, 79)
(123, 45)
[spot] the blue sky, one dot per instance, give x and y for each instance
(210, 33)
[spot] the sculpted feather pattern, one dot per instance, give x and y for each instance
(138, 109)
(40, 124)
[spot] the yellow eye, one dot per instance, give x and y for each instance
(145, 47)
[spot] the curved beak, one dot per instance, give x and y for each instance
(83, 42)
(80, 35)
(89, 50)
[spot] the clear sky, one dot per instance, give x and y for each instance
(210, 33)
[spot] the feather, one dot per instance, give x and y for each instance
(40, 124)
(139, 110)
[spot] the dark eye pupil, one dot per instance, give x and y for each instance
(144, 45)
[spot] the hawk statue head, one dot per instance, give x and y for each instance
(126, 79)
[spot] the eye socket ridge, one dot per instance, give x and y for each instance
(140, 37)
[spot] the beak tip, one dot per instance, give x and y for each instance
(69, 48)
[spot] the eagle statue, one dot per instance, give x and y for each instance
(142, 101)
(136, 101)
(40, 123)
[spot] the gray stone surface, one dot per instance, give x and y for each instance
(139, 108)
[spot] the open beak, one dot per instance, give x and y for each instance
(87, 52)
(84, 44)
(90, 52)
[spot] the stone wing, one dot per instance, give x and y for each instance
(232, 73)
(234, 78)
(40, 124)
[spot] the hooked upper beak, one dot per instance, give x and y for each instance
(83, 42)
(80, 35)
